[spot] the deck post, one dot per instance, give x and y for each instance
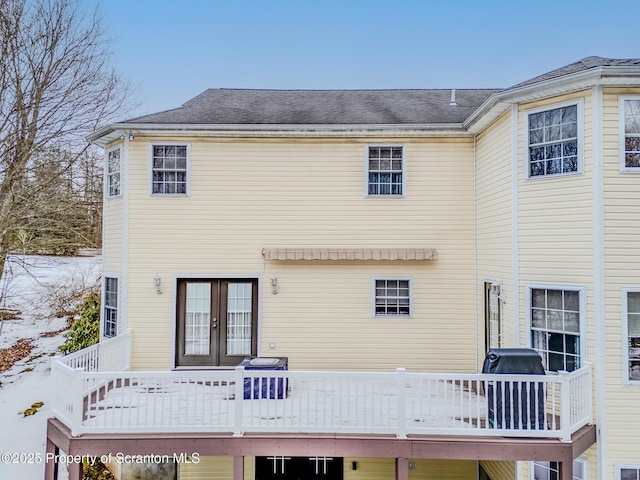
(51, 465)
(402, 469)
(77, 413)
(238, 402)
(565, 470)
(565, 405)
(238, 468)
(402, 402)
(75, 471)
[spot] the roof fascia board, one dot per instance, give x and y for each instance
(112, 132)
(497, 103)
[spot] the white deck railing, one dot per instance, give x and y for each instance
(399, 403)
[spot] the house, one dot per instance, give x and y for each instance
(374, 245)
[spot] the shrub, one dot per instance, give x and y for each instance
(85, 330)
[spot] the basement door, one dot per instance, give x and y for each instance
(216, 321)
(299, 468)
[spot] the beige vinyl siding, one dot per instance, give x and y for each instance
(249, 195)
(500, 470)
(555, 214)
(494, 227)
(220, 468)
(385, 469)
(370, 469)
(622, 267)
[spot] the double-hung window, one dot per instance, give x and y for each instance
(553, 145)
(631, 327)
(556, 317)
(630, 138)
(169, 169)
(110, 314)
(113, 172)
(628, 472)
(551, 471)
(385, 170)
(392, 297)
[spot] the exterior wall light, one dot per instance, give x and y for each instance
(157, 282)
(274, 284)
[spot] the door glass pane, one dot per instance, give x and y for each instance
(197, 328)
(239, 317)
(493, 312)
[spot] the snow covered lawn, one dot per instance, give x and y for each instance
(27, 281)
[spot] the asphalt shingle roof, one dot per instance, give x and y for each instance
(227, 106)
(579, 66)
(322, 107)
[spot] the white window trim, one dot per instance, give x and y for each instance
(373, 296)
(621, 100)
(619, 466)
(625, 336)
(188, 170)
(106, 171)
(583, 460)
(582, 289)
(366, 170)
(103, 304)
(579, 102)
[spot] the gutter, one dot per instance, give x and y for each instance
(112, 132)
(493, 107)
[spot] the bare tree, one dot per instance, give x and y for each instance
(57, 84)
(59, 205)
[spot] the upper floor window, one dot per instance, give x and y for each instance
(553, 141)
(169, 169)
(392, 297)
(113, 172)
(631, 325)
(555, 326)
(385, 168)
(630, 118)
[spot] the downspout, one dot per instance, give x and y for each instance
(598, 278)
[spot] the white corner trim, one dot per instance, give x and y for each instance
(599, 349)
(515, 254)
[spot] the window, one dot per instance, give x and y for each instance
(113, 172)
(550, 470)
(392, 297)
(385, 166)
(555, 327)
(631, 325)
(553, 141)
(630, 148)
(629, 473)
(169, 169)
(110, 307)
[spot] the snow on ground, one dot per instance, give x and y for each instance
(28, 281)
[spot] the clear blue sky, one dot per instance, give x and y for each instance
(173, 50)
